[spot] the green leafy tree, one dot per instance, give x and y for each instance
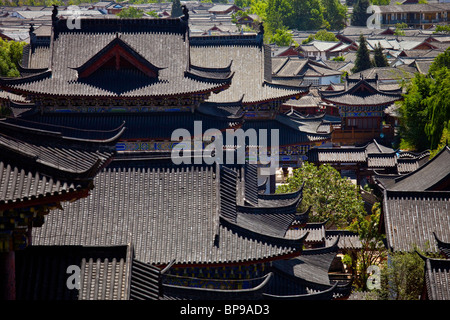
(334, 13)
(307, 15)
(360, 15)
(243, 3)
(372, 247)
(329, 195)
(10, 56)
(425, 109)
(153, 14)
(379, 59)
(362, 61)
(399, 27)
(131, 12)
(442, 29)
(282, 38)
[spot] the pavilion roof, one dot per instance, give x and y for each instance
(360, 94)
(433, 175)
(78, 62)
(251, 66)
(241, 289)
(437, 272)
(306, 276)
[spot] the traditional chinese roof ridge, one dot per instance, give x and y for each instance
(32, 131)
(299, 67)
(409, 161)
(375, 154)
(411, 217)
(25, 70)
(326, 294)
(269, 214)
(145, 126)
(437, 273)
(41, 272)
(227, 40)
(145, 281)
(347, 239)
(311, 267)
(124, 25)
(315, 230)
(264, 234)
(254, 288)
(263, 185)
(211, 74)
(362, 93)
(223, 110)
(25, 78)
(444, 247)
(433, 175)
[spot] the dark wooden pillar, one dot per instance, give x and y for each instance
(8, 275)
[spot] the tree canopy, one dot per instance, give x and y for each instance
(10, 56)
(362, 61)
(425, 109)
(330, 196)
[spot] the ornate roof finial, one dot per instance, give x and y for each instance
(55, 13)
(185, 12)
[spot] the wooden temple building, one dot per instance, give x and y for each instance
(153, 229)
(362, 104)
(368, 160)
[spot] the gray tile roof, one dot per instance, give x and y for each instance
(167, 212)
(429, 176)
(411, 218)
(360, 94)
(37, 163)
